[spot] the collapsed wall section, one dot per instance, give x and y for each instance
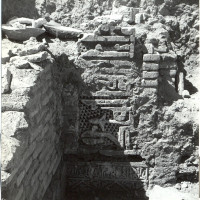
(31, 122)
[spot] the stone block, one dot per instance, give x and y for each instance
(150, 48)
(95, 38)
(22, 64)
(150, 83)
(23, 78)
(150, 75)
(34, 58)
(151, 58)
(139, 18)
(172, 72)
(150, 91)
(167, 57)
(125, 47)
(128, 30)
(150, 66)
(13, 122)
(6, 80)
(106, 55)
(5, 56)
(31, 49)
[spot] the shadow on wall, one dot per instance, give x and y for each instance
(18, 8)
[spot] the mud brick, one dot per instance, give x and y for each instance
(150, 83)
(173, 72)
(150, 75)
(151, 58)
(95, 38)
(150, 66)
(128, 30)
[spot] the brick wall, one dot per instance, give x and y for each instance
(31, 124)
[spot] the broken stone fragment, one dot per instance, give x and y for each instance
(168, 57)
(139, 18)
(22, 64)
(185, 94)
(5, 56)
(98, 47)
(35, 58)
(173, 72)
(151, 58)
(6, 80)
(40, 22)
(128, 30)
(32, 49)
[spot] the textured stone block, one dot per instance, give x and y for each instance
(150, 75)
(150, 83)
(95, 38)
(150, 66)
(106, 55)
(150, 48)
(6, 80)
(151, 58)
(128, 30)
(139, 18)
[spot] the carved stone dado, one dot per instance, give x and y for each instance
(83, 176)
(106, 116)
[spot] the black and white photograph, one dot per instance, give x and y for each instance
(100, 99)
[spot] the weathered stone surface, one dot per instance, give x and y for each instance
(15, 101)
(173, 73)
(93, 38)
(150, 48)
(150, 75)
(151, 58)
(150, 66)
(150, 83)
(5, 56)
(6, 79)
(35, 58)
(108, 54)
(23, 78)
(139, 18)
(22, 64)
(128, 30)
(166, 57)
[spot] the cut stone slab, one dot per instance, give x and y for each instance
(150, 75)
(62, 31)
(95, 38)
(150, 83)
(150, 66)
(6, 80)
(21, 34)
(108, 54)
(151, 58)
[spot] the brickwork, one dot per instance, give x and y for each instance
(31, 132)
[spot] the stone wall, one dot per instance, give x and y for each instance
(31, 121)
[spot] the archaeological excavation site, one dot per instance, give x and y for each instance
(100, 100)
